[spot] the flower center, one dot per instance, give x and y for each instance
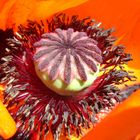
(67, 61)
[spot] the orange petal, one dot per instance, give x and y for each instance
(1, 92)
(7, 124)
(123, 15)
(15, 12)
(137, 137)
(121, 124)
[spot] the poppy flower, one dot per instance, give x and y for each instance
(41, 58)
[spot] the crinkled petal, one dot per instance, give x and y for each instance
(121, 124)
(124, 16)
(15, 12)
